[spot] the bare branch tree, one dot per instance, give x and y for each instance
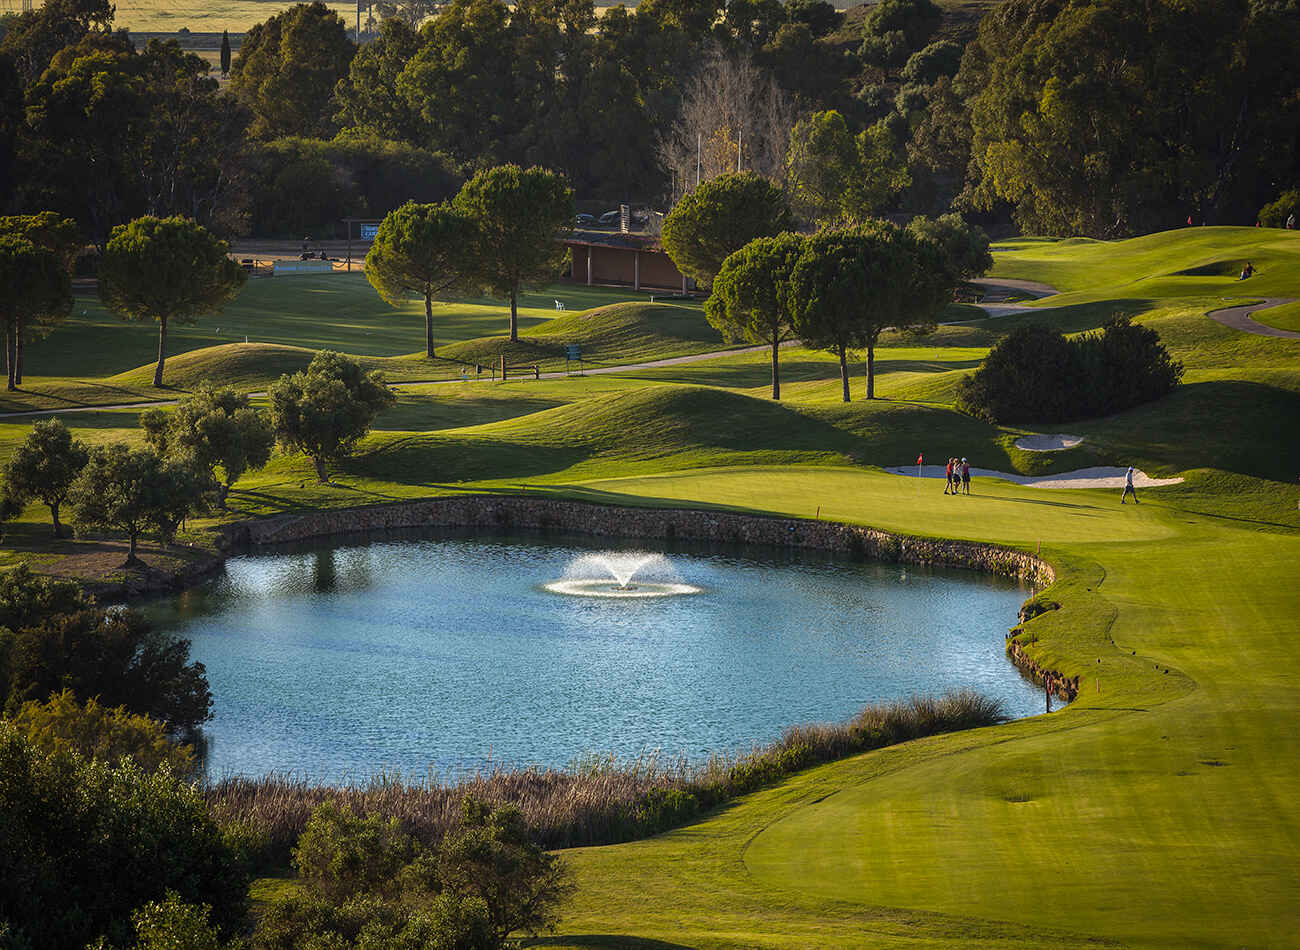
(734, 116)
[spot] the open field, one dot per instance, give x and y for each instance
(1158, 810)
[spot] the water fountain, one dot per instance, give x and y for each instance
(611, 574)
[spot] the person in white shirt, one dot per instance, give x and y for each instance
(1128, 487)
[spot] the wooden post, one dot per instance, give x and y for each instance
(588, 265)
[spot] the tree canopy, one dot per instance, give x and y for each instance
(518, 213)
(1109, 118)
(751, 296)
(328, 409)
(134, 491)
(212, 429)
(719, 217)
(425, 249)
(849, 286)
(84, 843)
(287, 69)
(166, 269)
(34, 288)
(44, 466)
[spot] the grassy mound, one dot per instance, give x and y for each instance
(619, 333)
(1191, 262)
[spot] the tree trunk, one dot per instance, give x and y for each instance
(10, 356)
(320, 471)
(428, 323)
(18, 356)
(514, 316)
(223, 490)
(871, 371)
(54, 513)
(131, 559)
(844, 372)
(776, 368)
(162, 352)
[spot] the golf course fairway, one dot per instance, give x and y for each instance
(1159, 809)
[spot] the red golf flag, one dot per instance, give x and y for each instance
(920, 460)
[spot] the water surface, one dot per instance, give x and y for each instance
(448, 653)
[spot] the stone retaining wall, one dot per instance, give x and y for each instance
(516, 512)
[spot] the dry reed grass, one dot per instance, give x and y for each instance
(600, 800)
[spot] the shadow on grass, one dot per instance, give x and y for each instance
(1074, 318)
(611, 941)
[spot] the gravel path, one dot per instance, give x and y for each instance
(1096, 477)
(1238, 318)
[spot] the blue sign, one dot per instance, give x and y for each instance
(369, 232)
(572, 351)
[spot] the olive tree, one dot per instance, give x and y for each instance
(168, 270)
(44, 466)
(751, 296)
(518, 215)
(328, 409)
(423, 249)
(135, 491)
(211, 430)
(719, 217)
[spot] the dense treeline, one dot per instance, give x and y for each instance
(1098, 117)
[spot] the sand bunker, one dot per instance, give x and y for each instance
(1047, 443)
(1096, 477)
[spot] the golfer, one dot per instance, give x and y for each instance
(965, 476)
(1128, 487)
(947, 485)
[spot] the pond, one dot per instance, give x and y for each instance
(435, 654)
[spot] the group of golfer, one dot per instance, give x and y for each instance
(958, 477)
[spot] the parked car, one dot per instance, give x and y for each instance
(610, 219)
(584, 220)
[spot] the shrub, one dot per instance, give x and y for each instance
(369, 885)
(98, 732)
(1036, 374)
(83, 844)
(116, 656)
(1275, 213)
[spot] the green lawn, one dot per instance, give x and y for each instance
(276, 324)
(1159, 810)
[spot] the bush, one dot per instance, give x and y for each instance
(114, 655)
(1275, 213)
(84, 844)
(1035, 374)
(98, 732)
(369, 885)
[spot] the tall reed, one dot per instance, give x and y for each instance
(598, 800)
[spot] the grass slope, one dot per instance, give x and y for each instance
(94, 358)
